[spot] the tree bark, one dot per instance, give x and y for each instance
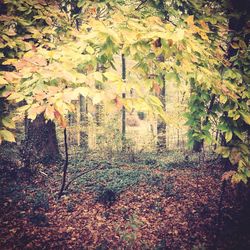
(123, 108)
(41, 144)
(161, 125)
(84, 135)
(66, 163)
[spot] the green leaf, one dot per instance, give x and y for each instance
(8, 123)
(245, 116)
(229, 136)
(223, 99)
(239, 134)
(224, 151)
(80, 3)
(7, 135)
(90, 50)
(247, 172)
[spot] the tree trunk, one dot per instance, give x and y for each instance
(123, 108)
(84, 135)
(161, 125)
(197, 147)
(41, 143)
(99, 114)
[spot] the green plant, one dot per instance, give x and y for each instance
(106, 196)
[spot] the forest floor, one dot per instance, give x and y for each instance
(147, 204)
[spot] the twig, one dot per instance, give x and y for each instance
(79, 175)
(140, 5)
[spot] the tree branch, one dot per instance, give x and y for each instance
(140, 5)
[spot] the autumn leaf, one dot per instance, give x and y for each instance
(60, 119)
(157, 88)
(8, 123)
(7, 135)
(35, 110)
(118, 102)
(190, 20)
(49, 112)
(11, 76)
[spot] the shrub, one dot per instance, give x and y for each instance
(107, 196)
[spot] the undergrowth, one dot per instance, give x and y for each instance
(113, 176)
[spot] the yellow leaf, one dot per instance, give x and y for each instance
(8, 123)
(178, 35)
(7, 135)
(97, 98)
(16, 96)
(204, 25)
(34, 111)
(190, 20)
(112, 76)
(228, 136)
(223, 99)
(3, 81)
(49, 21)
(98, 76)
(49, 113)
(90, 50)
(234, 45)
(84, 91)
(242, 44)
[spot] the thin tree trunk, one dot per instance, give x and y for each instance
(123, 108)
(84, 136)
(65, 167)
(161, 125)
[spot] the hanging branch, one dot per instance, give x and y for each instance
(65, 167)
